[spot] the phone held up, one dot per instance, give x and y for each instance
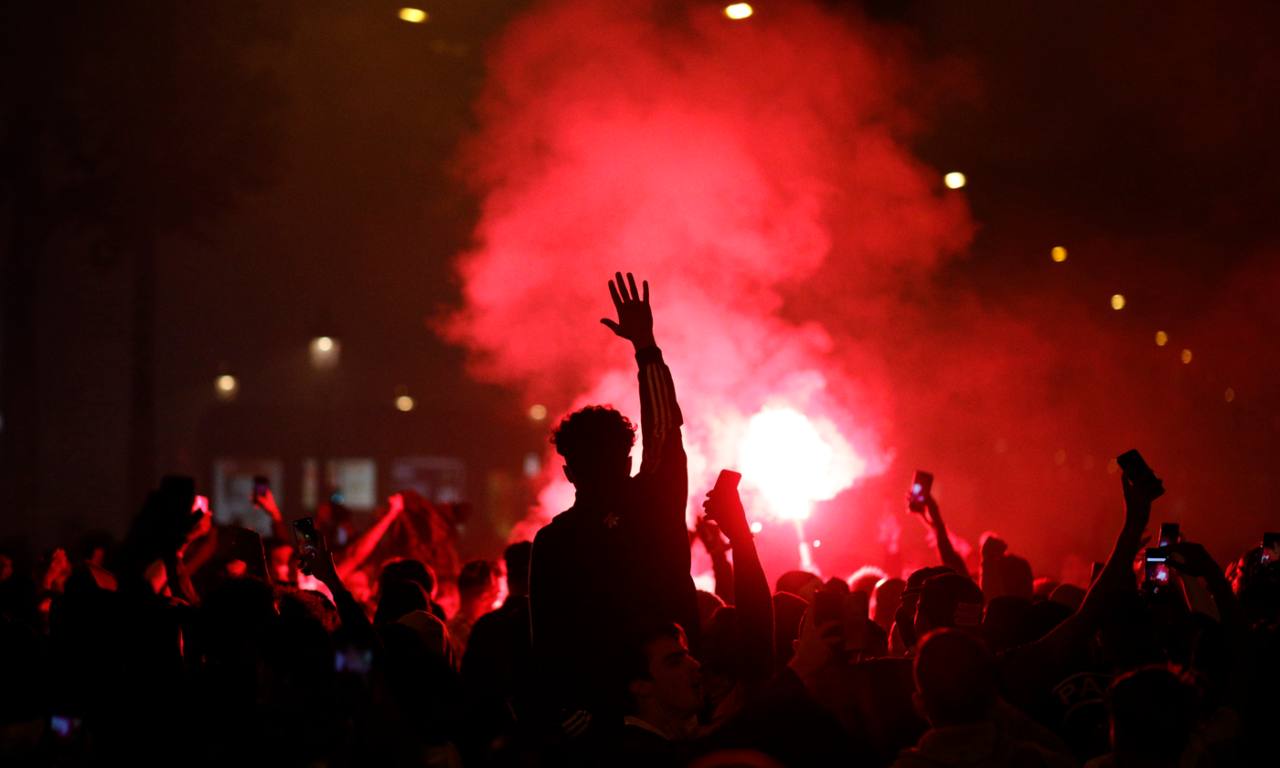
(727, 481)
(1157, 568)
(308, 539)
(921, 487)
(1271, 547)
(1136, 469)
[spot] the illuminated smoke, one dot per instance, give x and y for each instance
(756, 173)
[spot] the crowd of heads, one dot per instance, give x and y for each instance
(188, 642)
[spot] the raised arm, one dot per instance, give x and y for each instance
(1038, 664)
(932, 517)
(364, 545)
(750, 586)
(660, 417)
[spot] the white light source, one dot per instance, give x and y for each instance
(739, 11)
(404, 403)
(226, 386)
(325, 351)
(954, 180)
(412, 15)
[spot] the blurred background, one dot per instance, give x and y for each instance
(252, 239)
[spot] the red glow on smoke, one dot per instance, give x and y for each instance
(741, 169)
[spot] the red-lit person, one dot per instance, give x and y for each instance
(617, 561)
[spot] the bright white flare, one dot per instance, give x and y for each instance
(793, 462)
(739, 11)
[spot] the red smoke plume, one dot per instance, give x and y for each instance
(743, 169)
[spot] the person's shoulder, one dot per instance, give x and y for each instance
(557, 528)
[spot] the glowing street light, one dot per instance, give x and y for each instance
(954, 180)
(226, 387)
(1117, 302)
(739, 11)
(412, 15)
(1058, 254)
(325, 351)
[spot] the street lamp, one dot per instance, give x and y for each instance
(325, 351)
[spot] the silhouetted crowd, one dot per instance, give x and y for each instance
(186, 643)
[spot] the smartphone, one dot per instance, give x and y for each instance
(921, 487)
(727, 481)
(1169, 534)
(1158, 566)
(308, 538)
(260, 487)
(1136, 469)
(246, 546)
(64, 727)
(1271, 547)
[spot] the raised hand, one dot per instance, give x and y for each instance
(1193, 560)
(724, 508)
(267, 503)
(635, 318)
(1138, 495)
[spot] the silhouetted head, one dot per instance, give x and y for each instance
(1152, 713)
(407, 569)
(398, 598)
(865, 579)
(661, 676)
(596, 445)
(885, 601)
(708, 604)
(516, 558)
(948, 600)
(1015, 577)
(478, 584)
(955, 677)
(800, 583)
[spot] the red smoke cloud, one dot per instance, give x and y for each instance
(755, 173)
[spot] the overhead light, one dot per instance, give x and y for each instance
(226, 387)
(739, 11)
(413, 15)
(1117, 302)
(954, 180)
(325, 351)
(1058, 254)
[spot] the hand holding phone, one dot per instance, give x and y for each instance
(1271, 547)
(1138, 474)
(309, 542)
(724, 507)
(1157, 568)
(921, 489)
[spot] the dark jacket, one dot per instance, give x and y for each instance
(598, 576)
